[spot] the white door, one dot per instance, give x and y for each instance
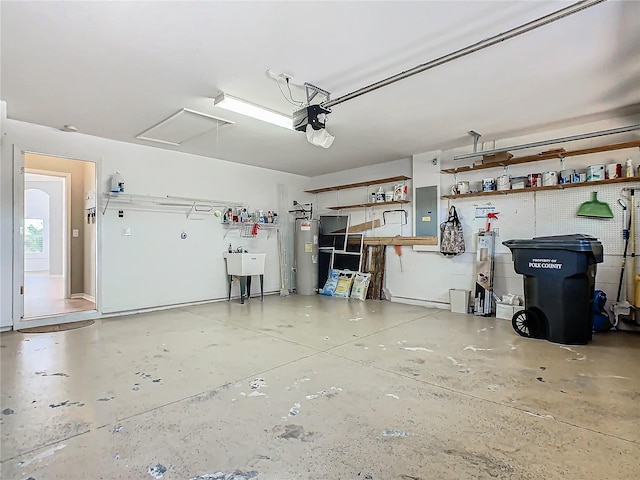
(19, 321)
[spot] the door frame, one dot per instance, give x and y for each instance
(66, 227)
(18, 247)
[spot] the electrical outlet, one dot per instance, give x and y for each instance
(75, 232)
(496, 231)
(126, 231)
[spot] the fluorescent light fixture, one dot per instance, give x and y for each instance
(249, 109)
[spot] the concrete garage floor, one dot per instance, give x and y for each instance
(316, 388)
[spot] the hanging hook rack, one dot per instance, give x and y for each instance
(168, 203)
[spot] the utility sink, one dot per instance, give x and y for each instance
(245, 264)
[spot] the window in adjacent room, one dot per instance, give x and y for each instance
(33, 235)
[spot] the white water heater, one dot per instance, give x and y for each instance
(306, 255)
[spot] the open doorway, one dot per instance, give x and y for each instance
(58, 244)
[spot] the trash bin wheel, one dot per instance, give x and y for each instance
(527, 324)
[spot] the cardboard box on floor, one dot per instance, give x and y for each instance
(506, 311)
(459, 300)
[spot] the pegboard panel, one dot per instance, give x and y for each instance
(549, 212)
(556, 214)
(516, 217)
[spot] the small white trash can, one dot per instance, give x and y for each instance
(459, 300)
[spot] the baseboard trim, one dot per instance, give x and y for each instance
(420, 303)
(178, 305)
(6, 328)
(89, 298)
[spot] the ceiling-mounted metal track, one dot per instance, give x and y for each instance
(582, 136)
(487, 42)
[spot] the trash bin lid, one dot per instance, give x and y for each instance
(574, 243)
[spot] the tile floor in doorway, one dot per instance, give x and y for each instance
(316, 388)
(44, 296)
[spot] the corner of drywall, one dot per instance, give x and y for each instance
(6, 223)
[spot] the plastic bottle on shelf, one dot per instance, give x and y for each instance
(117, 183)
(629, 169)
(380, 195)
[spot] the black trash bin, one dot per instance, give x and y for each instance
(559, 283)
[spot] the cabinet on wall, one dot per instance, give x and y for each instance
(561, 155)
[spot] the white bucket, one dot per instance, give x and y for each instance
(463, 187)
(595, 172)
(400, 191)
(503, 182)
(518, 183)
(549, 178)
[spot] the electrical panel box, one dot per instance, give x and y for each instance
(427, 211)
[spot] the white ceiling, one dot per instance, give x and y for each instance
(114, 69)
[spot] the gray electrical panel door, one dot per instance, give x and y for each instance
(427, 211)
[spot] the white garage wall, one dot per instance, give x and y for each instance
(426, 277)
(545, 213)
(358, 195)
(153, 267)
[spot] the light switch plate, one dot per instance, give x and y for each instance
(75, 232)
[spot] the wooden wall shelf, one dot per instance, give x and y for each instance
(550, 187)
(365, 205)
(401, 241)
(378, 181)
(398, 240)
(545, 156)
